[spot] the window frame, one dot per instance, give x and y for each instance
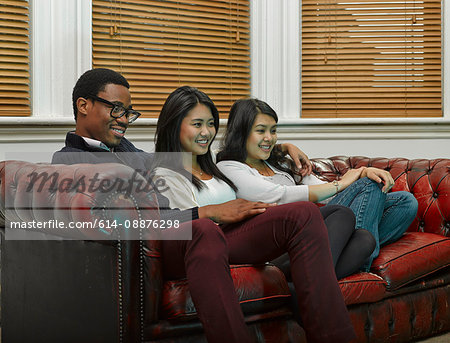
(274, 46)
(159, 46)
(15, 92)
(274, 27)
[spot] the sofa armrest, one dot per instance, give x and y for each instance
(67, 291)
(80, 201)
(427, 180)
(103, 283)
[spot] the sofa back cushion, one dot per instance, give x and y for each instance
(427, 180)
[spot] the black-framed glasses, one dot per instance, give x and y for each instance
(118, 111)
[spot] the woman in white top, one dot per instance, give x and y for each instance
(188, 124)
(247, 159)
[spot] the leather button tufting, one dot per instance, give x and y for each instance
(435, 195)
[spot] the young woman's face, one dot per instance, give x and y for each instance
(262, 138)
(197, 130)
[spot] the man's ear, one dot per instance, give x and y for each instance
(82, 106)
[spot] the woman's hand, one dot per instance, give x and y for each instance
(379, 176)
(325, 190)
(300, 159)
(349, 177)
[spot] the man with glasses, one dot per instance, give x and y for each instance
(102, 108)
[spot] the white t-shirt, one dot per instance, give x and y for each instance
(182, 193)
(279, 188)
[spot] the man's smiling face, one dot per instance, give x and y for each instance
(94, 119)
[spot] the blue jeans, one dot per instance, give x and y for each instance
(386, 216)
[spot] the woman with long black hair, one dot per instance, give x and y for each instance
(188, 124)
(260, 174)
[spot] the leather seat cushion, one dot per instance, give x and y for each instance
(415, 255)
(260, 289)
(362, 288)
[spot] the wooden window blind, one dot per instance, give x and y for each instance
(161, 45)
(14, 58)
(371, 58)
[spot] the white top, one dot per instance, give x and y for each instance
(279, 188)
(182, 193)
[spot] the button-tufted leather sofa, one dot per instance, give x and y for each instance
(94, 290)
(407, 294)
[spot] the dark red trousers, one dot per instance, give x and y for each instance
(296, 228)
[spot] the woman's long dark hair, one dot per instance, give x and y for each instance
(167, 136)
(240, 121)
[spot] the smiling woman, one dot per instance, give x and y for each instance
(260, 174)
(260, 142)
(188, 124)
(197, 131)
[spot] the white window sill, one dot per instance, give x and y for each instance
(55, 120)
(45, 129)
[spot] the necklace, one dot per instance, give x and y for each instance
(197, 171)
(265, 172)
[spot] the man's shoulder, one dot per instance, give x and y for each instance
(76, 150)
(69, 149)
(71, 155)
(73, 143)
(126, 146)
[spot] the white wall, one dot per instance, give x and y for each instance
(412, 149)
(369, 139)
(61, 45)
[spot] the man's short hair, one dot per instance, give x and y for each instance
(94, 81)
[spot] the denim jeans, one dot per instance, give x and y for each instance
(386, 216)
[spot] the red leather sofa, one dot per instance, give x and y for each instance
(93, 290)
(407, 294)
